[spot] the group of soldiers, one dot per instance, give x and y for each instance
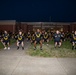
(38, 37)
(5, 39)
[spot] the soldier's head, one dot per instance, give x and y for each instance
(28, 32)
(20, 33)
(75, 32)
(38, 30)
(45, 32)
(5, 32)
(57, 32)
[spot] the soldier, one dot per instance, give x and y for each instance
(28, 36)
(62, 37)
(74, 41)
(45, 37)
(32, 38)
(6, 40)
(38, 39)
(20, 40)
(57, 39)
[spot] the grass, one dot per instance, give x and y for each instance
(11, 42)
(1, 45)
(50, 51)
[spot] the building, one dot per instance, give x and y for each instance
(13, 26)
(8, 25)
(52, 26)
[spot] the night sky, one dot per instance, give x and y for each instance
(38, 10)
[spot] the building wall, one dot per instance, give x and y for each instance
(7, 28)
(73, 27)
(24, 28)
(65, 28)
(29, 27)
(8, 25)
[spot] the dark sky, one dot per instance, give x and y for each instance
(38, 10)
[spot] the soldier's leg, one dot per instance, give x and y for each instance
(18, 44)
(43, 41)
(60, 44)
(31, 41)
(47, 40)
(73, 44)
(5, 43)
(55, 44)
(35, 45)
(8, 45)
(41, 45)
(22, 43)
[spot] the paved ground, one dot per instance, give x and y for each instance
(16, 62)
